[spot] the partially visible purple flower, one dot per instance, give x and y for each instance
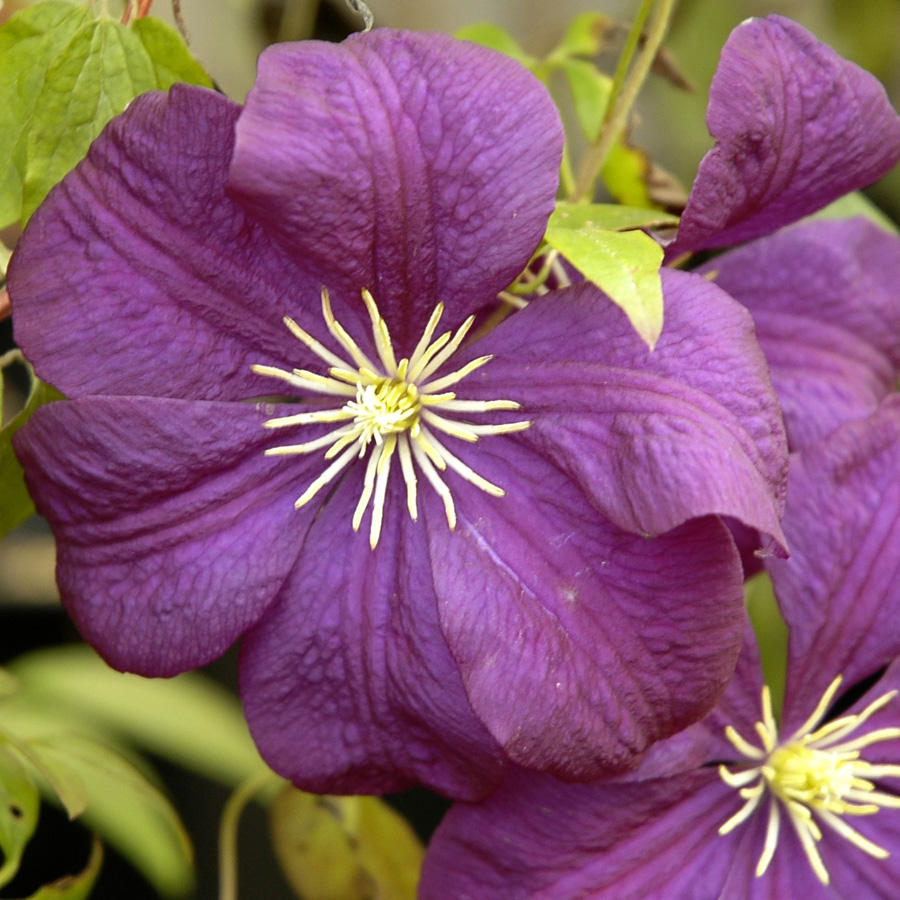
(825, 298)
(739, 806)
(436, 551)
(796, 127)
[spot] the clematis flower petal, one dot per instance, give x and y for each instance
(823, 296)
(686, 430)
(138, 260)
(841, 585)
(610, 641)
(359, 158)
(173, 534)
(540, 839)
(348, 684)
(796, 126)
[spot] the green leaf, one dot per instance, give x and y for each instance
(29, 42)
(623, 264)
(189, 719)
(586, 35)
(489, 35)
(590, 93)
(344, 848)
(771, 634)
(19, 809)
(124, 807)
(75, 887)
(612, 216)
(17, 505)
(857, 204)
(625, 176)
(9, 684)
(94, 77)
(64, 782)
(171, 59)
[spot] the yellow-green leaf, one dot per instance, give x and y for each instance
(29, 42)
(125, 808)
(590, 93)
(19, 808)
(612, 216)
(17, 505)
(98, 72)
(489, 35)
(625, 175)
(623, 264)
(344, 848)
(75, 887)
(771, 633)
(586, 35)
(171, 59)
(189, 719)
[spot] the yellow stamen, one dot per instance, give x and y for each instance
(813, 777)
(390, 407)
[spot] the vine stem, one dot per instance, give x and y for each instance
(228, 831)
(625, 90)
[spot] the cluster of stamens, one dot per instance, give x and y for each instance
(816, 777)
(387, 408)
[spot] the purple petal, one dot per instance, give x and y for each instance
(579, 644)
(138, 277)
(840, 590)
(417, 166)
(174, 532)
(796, 126)
(824, 299)
(654, 438)
(347, 684)
(539, 839)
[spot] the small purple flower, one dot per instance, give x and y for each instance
(434, 547)
(796, 127)
(738, 806)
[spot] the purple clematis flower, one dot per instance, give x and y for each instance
(740, 806)
(796, 127)
(280, 429)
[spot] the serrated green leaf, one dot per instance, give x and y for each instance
(771, 634)
(489, 35)
(29, 41)
(857, 204)
(611, 216)
(125, 808)
(17, 504)
(75, 887)
(344, 848)
(172, 60)
(586, 35)
(625, 176)
(189, 719)
(590, 93)
(623, 264)
(19, 809)
(99, 71)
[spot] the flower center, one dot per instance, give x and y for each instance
(815, 777)
(388, 407)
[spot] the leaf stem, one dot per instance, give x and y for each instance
(625, 90)
(228, 831)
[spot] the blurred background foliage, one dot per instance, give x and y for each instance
(197, 758)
